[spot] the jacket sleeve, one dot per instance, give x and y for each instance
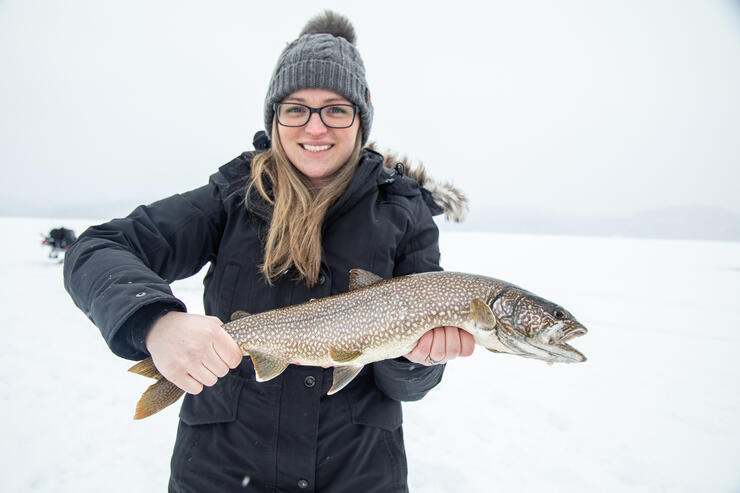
(399, 378)
(119, 272)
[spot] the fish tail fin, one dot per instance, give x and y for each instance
(146, 368)
(158, 396)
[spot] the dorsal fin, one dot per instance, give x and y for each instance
(238, 314)
(359, 278)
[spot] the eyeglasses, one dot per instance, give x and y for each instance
(332, 115)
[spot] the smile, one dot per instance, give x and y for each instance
(311, 148)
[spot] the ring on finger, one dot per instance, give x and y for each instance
(429, 361)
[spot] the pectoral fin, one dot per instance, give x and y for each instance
(146, 368)
(342, 376)
(343, 356)
(266, 367)
(359, 278)
(482, 314)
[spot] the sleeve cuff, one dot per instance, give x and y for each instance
(138, 325)
(403, 380)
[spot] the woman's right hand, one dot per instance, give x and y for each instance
(191, 350)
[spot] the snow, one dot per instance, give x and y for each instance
(655, 408)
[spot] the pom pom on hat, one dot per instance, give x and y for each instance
(329, 22)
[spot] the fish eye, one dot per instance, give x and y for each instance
(559, 313)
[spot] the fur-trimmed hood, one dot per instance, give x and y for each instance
(449, 198)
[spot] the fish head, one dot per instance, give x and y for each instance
(537, 328)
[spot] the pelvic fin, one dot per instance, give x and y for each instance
(342, 356)
(342, 376)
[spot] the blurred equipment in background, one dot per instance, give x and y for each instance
(59, 239)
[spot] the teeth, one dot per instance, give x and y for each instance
(316, 148)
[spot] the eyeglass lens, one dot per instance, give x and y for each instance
(334, 115)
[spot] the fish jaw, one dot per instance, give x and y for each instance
(553, 341)
(549, 345)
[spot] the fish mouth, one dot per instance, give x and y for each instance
(548, 344)
(566, 350)
(551, 345)
(571, 354)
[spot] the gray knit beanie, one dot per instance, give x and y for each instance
(323, 57)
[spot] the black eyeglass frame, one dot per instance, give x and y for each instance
(311, 111)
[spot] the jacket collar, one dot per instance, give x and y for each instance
(363, 182)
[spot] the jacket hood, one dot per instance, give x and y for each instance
(441, 197)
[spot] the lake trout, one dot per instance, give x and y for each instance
(383, 319)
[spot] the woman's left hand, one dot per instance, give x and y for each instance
(440, 345)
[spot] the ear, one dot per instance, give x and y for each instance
(367, 97)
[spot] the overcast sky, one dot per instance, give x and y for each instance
(583, 107)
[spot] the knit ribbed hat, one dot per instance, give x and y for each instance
(323, 57)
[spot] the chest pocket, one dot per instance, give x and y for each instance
(227, 292)
(367, 238)
(234, 277)
(217, 404)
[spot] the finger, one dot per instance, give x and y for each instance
(437, 351)
(424, 345)
(467, 343)
(215, 364)
(452, 343)
(227, 349)
(421, 350)
(203, 375)
(187, 383)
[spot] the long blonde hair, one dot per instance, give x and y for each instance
(298, 209)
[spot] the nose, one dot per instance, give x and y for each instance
(315, 126)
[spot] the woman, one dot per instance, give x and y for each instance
(279, 226)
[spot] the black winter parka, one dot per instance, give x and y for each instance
(285, 434)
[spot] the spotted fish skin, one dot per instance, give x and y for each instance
(383, 319)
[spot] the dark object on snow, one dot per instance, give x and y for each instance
(59, 239)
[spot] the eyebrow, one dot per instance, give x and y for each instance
(326, 101)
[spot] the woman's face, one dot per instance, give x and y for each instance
(316, 150)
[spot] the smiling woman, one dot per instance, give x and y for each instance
(317, 140)
(280, 225)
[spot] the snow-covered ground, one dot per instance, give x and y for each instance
(655, 408)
